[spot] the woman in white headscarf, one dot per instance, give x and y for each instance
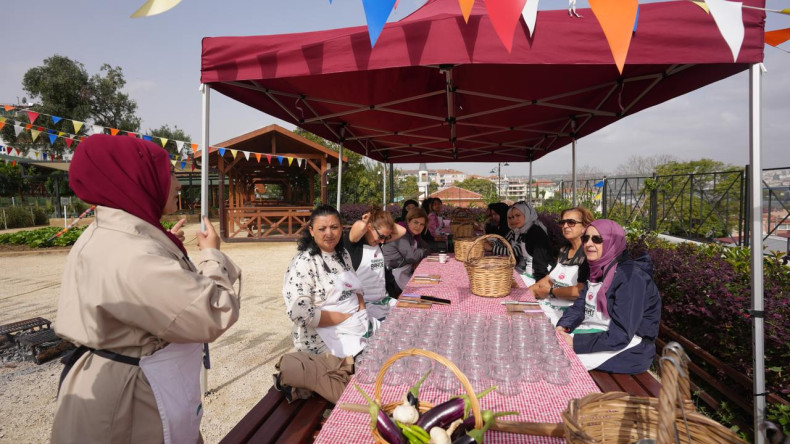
(530, 241)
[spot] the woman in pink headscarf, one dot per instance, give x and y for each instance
(135, 304)
(614, 325)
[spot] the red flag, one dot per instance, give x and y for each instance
(269, 158)
(69, 141)
(504, 15)
(32, 115)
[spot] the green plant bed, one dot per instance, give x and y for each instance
(38, 238)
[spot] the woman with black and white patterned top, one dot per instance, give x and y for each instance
(322, 294)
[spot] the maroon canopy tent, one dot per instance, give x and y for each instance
(437, 89)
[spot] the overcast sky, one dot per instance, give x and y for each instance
(160, 57)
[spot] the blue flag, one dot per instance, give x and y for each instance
(376, 13)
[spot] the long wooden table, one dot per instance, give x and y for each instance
(538, 402)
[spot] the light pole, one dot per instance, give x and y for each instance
(499, 178)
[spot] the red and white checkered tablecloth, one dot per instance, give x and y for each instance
(538, 402)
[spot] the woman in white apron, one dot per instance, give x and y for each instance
(530, 242)
(323, 296)
(614, 325)
(134, 303)
(557, 291)
(364, 244)
(403, 255)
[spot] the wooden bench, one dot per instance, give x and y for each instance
(641, 384)
(274, 420)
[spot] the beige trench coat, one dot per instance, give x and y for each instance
(128, 289)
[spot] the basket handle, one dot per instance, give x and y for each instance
(460, 212)
(512, 256)
(475, 403)
(675, 394)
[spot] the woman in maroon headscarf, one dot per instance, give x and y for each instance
(615, 323)
(135, 304)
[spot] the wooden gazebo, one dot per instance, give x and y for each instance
(271, 175)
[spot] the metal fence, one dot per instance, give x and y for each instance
(700, 206)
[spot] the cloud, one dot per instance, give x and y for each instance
(140, 86)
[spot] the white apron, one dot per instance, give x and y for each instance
(174, 375)
(560, 276)
(594, 322)
(371, 274)
(348, 337)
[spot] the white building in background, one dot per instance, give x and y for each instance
(443, 178)
(423, 179)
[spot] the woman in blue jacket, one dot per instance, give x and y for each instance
(614, 326)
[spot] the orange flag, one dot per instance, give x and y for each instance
(466, 8)
(777, 37)
(8, 107)
(258, 157)
(194, 148)
(617, 21)
(2, 124)
(114, 131)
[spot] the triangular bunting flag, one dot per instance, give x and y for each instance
(153, 7)
(504, 16)
(52, 138)
(222, 152)
(18, 129)
(617, 21)
(34, 134)
(290, 161)
(636, 20)
(530, 13)
(269, 158)
(2, 119)
(258, 157)
(194, 148)
(114, 131)
(183, 164)
(44, 156)
(8, 107)
(234, 153)
(179, 145)
(69, 141)
(376, 13)
(28, 126)
(61, 134)
(299, 161)
(77, 125)
(773, 38)
(98, 129)
(246, 155)
(131, 134)
(32, 115)
(729, 18)
(147, 138)
(163, 141)
(280, 158)
(2, 124)
(56, 119)
(702, 5)
(466, 8)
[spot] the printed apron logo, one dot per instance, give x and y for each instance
(561, 276)
(589, 296)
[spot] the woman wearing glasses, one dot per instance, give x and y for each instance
(561, 286)
(614, 326)
(363, 243)
(530, 242)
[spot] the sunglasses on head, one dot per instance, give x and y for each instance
(382, 238)
(595, 239)
(571, 223)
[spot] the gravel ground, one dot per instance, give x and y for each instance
(242, 359)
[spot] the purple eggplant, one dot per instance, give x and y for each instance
(381, 422)
(413, 396)
(445, 413)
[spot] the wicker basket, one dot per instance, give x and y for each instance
(462, 223)
(463, 247)
(616, 417)
(490, 276)
(424, 406)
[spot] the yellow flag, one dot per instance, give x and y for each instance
(61, 133)
(77, 125)
(234, 153)
(2, 119)
(702, 5)
(154, 7)
(290, 160)
(163, 141)
(34, 134)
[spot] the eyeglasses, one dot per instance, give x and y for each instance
(571, 223)
(382, 238)
(596, 239)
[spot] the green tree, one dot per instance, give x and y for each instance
(172, 135)
(11, 181)
(109, 106)
(479, 186)
(61, 85)
(406, 188)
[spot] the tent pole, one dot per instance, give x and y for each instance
(529, 184)
(340, 165)
(573, 172)
(755, 139)
(204, 165)
(384, 186)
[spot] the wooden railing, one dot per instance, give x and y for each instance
(274, 223)
(715, 382)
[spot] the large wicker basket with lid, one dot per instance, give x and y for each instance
(490, 276)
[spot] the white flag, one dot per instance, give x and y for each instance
(729, 18)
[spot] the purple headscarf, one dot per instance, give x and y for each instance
(613, 246)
